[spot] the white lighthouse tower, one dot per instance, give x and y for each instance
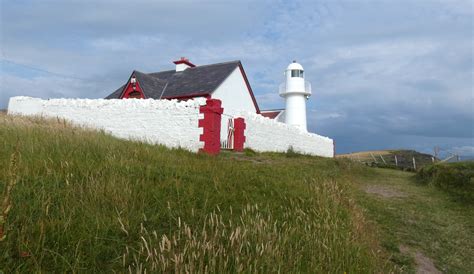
(295, 91)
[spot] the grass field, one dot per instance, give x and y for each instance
(82, 201)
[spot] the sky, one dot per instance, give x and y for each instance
(385, 74)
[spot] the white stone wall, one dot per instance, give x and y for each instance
(264, 134)
(167, 122)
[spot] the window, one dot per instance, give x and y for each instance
(297, 73)
(135, 94)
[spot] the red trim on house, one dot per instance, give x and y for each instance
(129, 89)
(270, 114)
(211, 126)
(184, 60)
(239, 134)
(248, 87)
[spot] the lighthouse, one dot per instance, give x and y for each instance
(295, 91)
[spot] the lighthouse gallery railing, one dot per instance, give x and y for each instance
(307, 87)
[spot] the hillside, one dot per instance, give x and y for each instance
(402, 159)
(83, 201)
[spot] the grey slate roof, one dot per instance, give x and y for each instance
(152, 86)
(116, 94)
(200, 80)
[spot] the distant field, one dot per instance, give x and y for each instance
(400, 158)
(365, 155)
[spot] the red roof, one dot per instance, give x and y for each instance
(271, 114)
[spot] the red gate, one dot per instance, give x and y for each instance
(235, 135)
(228, 143)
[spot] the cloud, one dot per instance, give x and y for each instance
(463, 150)
(48, 87)
(126, 43)
(384, 74)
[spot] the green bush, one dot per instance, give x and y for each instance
(291, 153)
(249, 152)
(454, 178)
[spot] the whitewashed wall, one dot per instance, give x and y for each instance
(167, 122)
(264, 134)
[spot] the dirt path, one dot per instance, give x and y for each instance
(384, 191)
(423, 264)
(422, 229)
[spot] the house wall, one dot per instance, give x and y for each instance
(281, 117)
(167, 122)
(234, 94)
(265, 134)
(235, 98)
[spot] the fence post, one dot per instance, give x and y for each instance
(373, 157)
(396, 160)
(414, 164)
(239, 134)
(211, 124)
(333, 148)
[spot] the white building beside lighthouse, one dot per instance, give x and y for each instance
(204, 107)
(295, 91)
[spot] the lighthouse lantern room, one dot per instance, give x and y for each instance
(295, 91)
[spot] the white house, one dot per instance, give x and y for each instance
(224, 81)
(186, 108)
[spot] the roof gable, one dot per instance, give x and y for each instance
(152, 87)
(192, 82)
(202, 80)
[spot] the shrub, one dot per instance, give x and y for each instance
(249, 152)
(454, 178)
(291, 153)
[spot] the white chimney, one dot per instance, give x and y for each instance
(183, 64)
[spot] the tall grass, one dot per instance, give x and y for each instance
(87, 202)
(7, 201)
(308, 237)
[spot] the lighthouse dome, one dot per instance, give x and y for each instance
(294, 70)
(295, 66)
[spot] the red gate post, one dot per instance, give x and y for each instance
(239, 134)
(211, 124)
